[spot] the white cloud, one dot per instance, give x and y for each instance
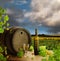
(46, 12)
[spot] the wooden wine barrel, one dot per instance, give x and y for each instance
(15, 38)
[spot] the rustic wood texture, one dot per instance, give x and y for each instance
(14, 39)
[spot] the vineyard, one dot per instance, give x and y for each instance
(49, 47)
(49, 42)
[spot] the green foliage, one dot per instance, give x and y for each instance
(1, 30)
(51, 58)
(31, 48)
(2, 58)
(44, 59)
(3, 20)
(6, 18)
(2, 11)
(1, 49)
(20, 53)
(55, 57)
(42, 47)
(32, 42)
(57, 54)
(42, 51)
(50, 44)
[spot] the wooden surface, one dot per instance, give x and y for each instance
(15, 38)
(36, 58)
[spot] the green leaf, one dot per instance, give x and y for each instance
(31, 48)
(57, 54)
(51, 58)
(1, 30)
(0, 17)
(42, 51)
(1, 23)
(3, 19)
(0, 26)
(6, 18)
(1, 49)
(2, 11)
(44, 59)
(1, 56)
(4, 22)
(20, 53)
(42, 47)
(4, 59)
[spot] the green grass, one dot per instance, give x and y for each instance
(49, 43)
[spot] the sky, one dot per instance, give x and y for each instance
(30, 14)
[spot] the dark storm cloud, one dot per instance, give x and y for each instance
(15, 13)
(3, 2)
(54, 30)
(12, 21)
(16, 16)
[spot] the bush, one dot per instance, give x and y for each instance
(3, 19)
(55, 57)
(20, 53)
(57, 54)
(51, 58)
(31, 48)
(2, 58)
(42, 51)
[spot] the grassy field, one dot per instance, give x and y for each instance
(49, 42)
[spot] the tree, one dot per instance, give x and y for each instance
(3, 20)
